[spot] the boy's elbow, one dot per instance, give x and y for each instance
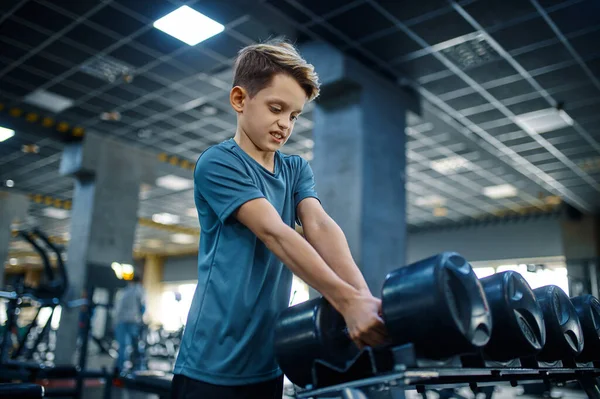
(273, 232)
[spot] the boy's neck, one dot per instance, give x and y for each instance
(265, 158)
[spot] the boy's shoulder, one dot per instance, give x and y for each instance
(293, 160)
(217, 152)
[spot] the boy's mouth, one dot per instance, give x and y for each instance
(277, 136)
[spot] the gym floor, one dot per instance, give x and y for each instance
(501, 393)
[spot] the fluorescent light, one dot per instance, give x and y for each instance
(430, 201)
(13, 261)
(175, 183)
(56, 213)
(5, 134)
(47, 100)
(165, 218)
(545, 120)
(9, 183)
(183, 238)
(448, 165)
(501, 191)
(188, 25)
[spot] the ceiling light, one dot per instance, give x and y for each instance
(165, 218)
(183, 238)
(449, 165)
(440, 212)
(208, 110)
(13, 261)
(9, 183)
(430, 201)
(30, 148)
(501, 191)
(175, 183)
(47, 100)
(5, 134)
(118, 269)
(108, 69)
(545, 120)
(56, 213)
(153, 243)
(188, 25)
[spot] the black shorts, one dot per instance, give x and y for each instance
(184, 387)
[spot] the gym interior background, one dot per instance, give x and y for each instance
(478, 132)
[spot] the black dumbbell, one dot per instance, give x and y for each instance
(588, 312)
(518, 322)
(564, 337)
(437, 304)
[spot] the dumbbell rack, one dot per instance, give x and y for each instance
(386, 374)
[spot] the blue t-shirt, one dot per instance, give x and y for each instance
(242, 285)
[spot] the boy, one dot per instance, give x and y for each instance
(249, 196)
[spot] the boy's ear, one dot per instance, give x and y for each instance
(237, 98)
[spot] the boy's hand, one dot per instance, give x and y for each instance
(364, 322)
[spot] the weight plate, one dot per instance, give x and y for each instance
(564, 336)
(438, 304)
(518, 329)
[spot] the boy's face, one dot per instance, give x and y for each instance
(268, 118)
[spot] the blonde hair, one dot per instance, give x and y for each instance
(256, 65)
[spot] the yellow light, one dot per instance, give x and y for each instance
(63, 127)
(78, 131)
(16, 112)
(440, 212)
(47, 122)
(32, 117)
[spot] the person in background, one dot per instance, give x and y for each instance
(129, 312)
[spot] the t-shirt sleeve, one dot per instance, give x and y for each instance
(305, 186)
(221, 180)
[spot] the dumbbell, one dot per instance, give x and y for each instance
(564, 336)
(588, 312)
(437, 304)
(518, 322)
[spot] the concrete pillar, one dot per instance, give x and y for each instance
(107, 175)
(13, 209)
(359, 158)
(581, 247)
(152, 282)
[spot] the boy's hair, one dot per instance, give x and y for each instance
(258, 63)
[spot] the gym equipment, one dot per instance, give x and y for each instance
(46, 295)
(309, 331)
(51, 293)
(564, 337)
(21, 391)
(437, 305)
(588, 312)
(518, 327)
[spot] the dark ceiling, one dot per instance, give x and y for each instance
(479, 66)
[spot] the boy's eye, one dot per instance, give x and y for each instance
(294, 117)
(275, 109)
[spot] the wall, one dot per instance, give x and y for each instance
(505, 240)
(180, 268)
(529, 238)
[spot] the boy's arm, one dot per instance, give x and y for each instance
(328, 239)
(360, 310)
